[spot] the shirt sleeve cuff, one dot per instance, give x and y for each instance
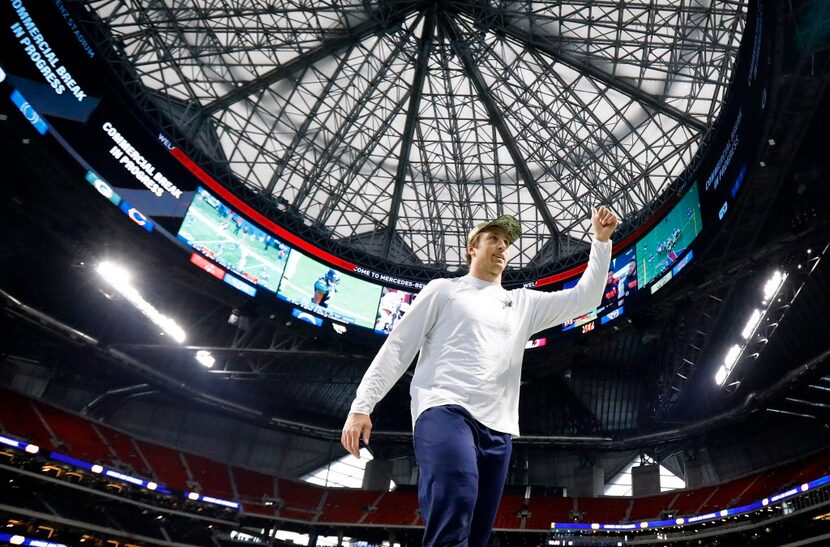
(360, 408)
(603, 243)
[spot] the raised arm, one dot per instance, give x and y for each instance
(553, 308)
(390, 363)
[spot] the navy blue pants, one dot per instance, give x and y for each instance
(462, 467)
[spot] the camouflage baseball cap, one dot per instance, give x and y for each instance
(506, 222)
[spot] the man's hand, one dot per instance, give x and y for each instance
(357, 426)
(604, 222)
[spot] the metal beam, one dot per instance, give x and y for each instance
(409, 127)
(302, 132)
(497, 22)
(126, 363)
(241, 351)
(301, 62)
(349, 122)
(472, 72)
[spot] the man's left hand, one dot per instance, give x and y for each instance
(604, 223)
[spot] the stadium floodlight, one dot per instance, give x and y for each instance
(773, 285)
(205, 358)
(121, 280)
(170, 327)
(752, 324)
(116, 275)
(732, 357)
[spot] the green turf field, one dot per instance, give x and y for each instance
(355, 299)
(204, 226)
(654, 250)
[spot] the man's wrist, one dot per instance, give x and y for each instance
(358, 408)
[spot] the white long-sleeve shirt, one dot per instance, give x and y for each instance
(472, 336)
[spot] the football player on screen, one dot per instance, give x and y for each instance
(611, 294)
(324, 287)
(393, 305)
(628, 281)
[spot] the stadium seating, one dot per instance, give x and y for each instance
(18, 416)
(816, 466)
(508, 515)
(547, 509)
(79, 436)
(253, 486)
(258, 509)
(76, 436)
(398, 508)
(126, 451)
(212, 477)
(166, 465)
(348, 505)
(650, 507)
(609, 510)
(689, 502)
(727, 495)
(299, 501)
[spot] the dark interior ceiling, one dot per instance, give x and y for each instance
(612, 388)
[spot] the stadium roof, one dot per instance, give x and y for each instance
(395, 126)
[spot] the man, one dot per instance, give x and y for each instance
(393, 305)
(324, 287)
(629, 280)
(465, 390)
(611, 295)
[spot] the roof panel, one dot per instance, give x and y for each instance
(562, 99)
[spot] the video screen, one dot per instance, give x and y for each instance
(621, 283)
(582, 319)
(216, 231)
(663, 245)
(394, 303)
(328, 292)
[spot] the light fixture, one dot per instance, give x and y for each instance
(752, 324)
(205, 358)
(116, 275)
(120, 279)
(773, 284)
(732, 357)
